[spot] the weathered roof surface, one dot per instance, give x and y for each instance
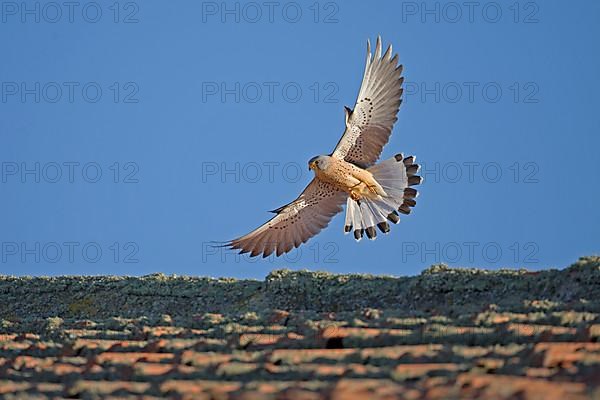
(447, 333)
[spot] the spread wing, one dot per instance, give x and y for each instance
(295, 222)
(369, 125)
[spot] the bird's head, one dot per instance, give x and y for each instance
(318, 163)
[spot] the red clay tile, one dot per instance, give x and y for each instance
(258, 339)
(94, 344)
(27, 336)
(417, 370)
(504, 386)
(342, 332)
(7, 346)
(295, 356)
(529, 330)
(60, 369)
(7, 387)
(152, 369)
(108, 387)
(198, 386)
(7, 337)
(201, 359)
(129, 358)
(565, 354)
(158, 331)
(29, 362)
(329, 370)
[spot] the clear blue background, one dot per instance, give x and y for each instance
(545, 216)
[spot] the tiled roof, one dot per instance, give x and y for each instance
(447, 333)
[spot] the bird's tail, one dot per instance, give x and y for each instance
(396, 176)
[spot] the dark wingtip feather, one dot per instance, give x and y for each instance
(255, 252)
(414, 180)
(358, 233)
(412, 169)
(393, 217)
(404, 209)
(371, 232)
(347, 228)
(410, 193)
(384, 227)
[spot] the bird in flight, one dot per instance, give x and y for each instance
(374, 193)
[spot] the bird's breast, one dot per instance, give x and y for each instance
(340, 174)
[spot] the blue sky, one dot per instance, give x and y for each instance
(133, 133)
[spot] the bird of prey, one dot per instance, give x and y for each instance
(373, 193)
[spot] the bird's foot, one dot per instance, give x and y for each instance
(355, 195)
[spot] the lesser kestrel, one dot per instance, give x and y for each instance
(374, 193)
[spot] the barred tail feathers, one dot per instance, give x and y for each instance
(396, 176)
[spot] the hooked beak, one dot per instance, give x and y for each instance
(311, 165)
